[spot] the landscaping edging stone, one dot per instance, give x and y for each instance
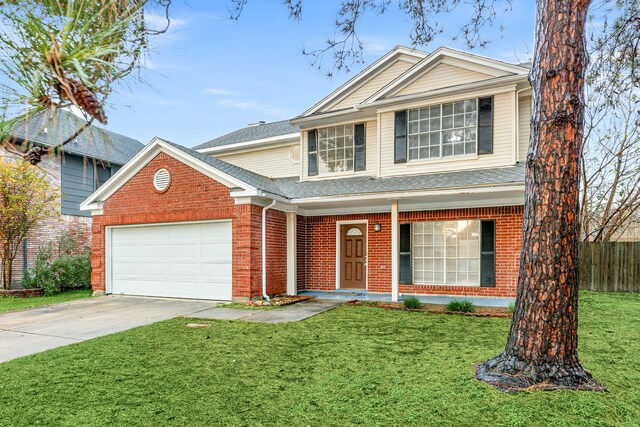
(22, 293)
(280, 301)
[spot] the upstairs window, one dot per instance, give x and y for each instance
(335, 149)
(443, 130)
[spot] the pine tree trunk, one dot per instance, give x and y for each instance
(542, 346)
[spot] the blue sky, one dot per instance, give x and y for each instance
(209, 75)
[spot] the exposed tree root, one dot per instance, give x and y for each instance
(511, 375)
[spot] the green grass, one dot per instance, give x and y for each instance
(351, 365)
(12, 303)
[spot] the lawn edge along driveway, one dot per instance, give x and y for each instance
(31, 331)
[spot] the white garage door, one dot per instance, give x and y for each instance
(179, 261)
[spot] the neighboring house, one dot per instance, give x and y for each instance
(77, 169)
(405, 180)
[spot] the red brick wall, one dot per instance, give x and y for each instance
(276, 252)
(193, 196)
(319, 255)
(320, 248)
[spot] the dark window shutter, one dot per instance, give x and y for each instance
(485, 125)
(400, 137)
(312, 145)
(405, 254)
(360, 150)
(488, 254)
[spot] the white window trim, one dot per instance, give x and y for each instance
(366, 251)
(474, 285)
(442, 158)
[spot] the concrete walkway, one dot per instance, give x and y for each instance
(362, 295)
(290, 313)
(35, 330)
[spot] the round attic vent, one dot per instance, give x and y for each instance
(161, 179)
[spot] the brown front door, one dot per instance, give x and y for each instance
(353, 256)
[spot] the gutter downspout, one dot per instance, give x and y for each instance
(264, 250)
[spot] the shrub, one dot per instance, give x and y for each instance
(461, 306)
(65, 273)
(412, 303)
(511, 307)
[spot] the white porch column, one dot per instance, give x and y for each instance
(291, 253)
(395, 270)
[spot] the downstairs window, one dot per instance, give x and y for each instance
(446, 252)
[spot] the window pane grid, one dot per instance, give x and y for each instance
(335, 149)
(446, 252)
(443, 130)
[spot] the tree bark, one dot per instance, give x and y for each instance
(542, 346)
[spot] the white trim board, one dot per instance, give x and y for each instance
(144, 157)
(286, 139)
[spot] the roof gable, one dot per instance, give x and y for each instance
(464, 68)
(441, 76)
(369, 87)
(368, 75)
(227, 174)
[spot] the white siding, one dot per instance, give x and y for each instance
(503, 142)
(371, 135)
(277, 162)
(524, 126)
(443, 75)
(371, 87)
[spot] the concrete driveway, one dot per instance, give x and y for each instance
(39, 329)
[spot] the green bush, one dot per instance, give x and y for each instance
(511, 307)
(461, 306)
(65, 273)
(412, 303)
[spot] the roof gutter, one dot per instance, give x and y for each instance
(264, 142)
(399, 195)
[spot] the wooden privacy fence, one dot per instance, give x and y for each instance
(610, 266)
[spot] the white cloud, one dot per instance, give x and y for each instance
(218, 91)
(159, 22)
(266, 109)
(375, 45)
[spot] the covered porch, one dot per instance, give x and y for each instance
(318, 238)
(363, 295)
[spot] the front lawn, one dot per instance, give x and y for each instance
(12, 303)
(351, 365)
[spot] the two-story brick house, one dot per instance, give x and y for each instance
(405, 180)
(77, 170)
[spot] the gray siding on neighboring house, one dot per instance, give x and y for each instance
(79, 182)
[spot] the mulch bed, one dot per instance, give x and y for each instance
(280, 301)
(434, 309)
(22, 293)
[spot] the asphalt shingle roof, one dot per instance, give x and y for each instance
(50, 128)
(292, 188)
(295, 189)
(251, 133)
(255, 180)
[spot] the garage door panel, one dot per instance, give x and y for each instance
(182, 261)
